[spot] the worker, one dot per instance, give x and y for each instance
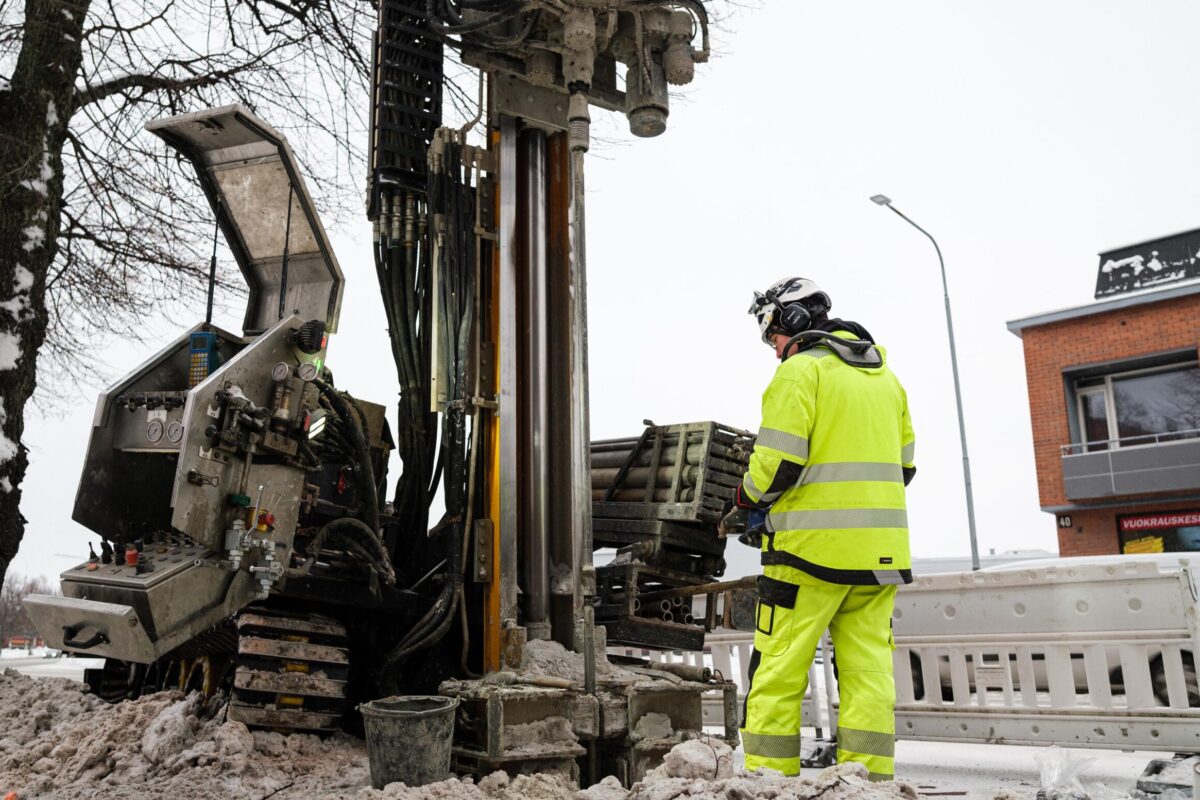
(829, 468)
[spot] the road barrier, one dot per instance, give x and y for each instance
(1097, 655)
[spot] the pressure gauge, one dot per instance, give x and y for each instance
(280, 372)
(307, 372)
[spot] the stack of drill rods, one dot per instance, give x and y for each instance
(615, 453)
(674, 609)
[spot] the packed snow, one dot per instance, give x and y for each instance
(60, 742)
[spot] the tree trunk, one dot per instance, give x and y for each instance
(35, 110)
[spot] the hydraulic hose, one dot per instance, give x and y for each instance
(367, 486)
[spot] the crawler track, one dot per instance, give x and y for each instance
(290, 671)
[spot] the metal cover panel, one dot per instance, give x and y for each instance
(245, 168)
(201, 510)
(120, 624)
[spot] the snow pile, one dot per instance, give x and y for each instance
(33, 707)
(547, 658)
(497, 786)
(60, 742)
(703, 769)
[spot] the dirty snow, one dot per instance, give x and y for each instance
(534, 737)
(58, 742)
(548, 658)
(653, 726)
(1179, 773)
(62, 743)
(66, 743)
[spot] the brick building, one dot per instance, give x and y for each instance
(1114, 397)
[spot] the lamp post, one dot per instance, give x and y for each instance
(882, 200)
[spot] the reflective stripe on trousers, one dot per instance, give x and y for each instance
(786, 639)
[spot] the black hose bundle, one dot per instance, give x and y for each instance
(452, 206)
(368, 490)
(342, 528)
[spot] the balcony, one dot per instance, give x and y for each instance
(1164, 462)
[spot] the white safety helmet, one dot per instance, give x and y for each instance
(789, 307)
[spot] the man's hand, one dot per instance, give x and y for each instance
(756, 524)
(734, 521)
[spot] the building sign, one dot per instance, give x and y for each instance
(1142, 266)
(1163, 532)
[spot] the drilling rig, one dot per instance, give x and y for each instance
(246, 540)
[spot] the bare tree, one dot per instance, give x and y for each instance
(14, 620)
(99, 227)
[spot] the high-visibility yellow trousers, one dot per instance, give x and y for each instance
(791, 619)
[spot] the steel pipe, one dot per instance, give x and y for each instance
(637, 477)
(686, 495)
(531, 200)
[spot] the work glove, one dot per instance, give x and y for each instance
(734, 521)
(756, 525)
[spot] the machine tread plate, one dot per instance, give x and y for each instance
(298, 651)
(313, 625)
(291, 683)
(259, 717)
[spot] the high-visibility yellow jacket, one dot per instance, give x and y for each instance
(829, 463)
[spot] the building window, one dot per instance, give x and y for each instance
(1161, 532)
(1146, 406)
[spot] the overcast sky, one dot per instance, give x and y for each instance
(1026, 136)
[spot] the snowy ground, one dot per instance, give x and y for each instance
(970, 771)
(980, 771)
(44, 666)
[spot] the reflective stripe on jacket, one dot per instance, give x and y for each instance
(828, 463)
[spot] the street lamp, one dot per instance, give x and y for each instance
(883, 200)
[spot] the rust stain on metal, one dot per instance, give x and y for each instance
(296, 651)
(291, 683)
(281, 718)
(312, 625)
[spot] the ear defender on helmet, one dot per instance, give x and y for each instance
(793, 318)
(789, 307)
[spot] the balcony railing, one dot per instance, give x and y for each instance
(1161, 462)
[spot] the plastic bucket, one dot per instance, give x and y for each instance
(409, 738)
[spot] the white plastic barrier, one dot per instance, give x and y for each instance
(1097, 655)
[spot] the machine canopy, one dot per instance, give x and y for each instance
(248, 172)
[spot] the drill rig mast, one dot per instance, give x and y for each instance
(246, 540)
